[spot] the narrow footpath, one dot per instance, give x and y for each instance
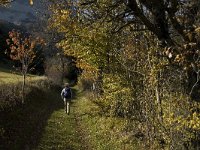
(63, 132)
(42, 124)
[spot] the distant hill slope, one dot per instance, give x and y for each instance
(6, 26)
(9, 76)
(18, 12)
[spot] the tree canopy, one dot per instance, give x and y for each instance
(141, 59)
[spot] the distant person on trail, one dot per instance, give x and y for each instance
(66, 95)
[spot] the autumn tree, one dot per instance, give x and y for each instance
(22, 49)
(146, 53)
(175, 24)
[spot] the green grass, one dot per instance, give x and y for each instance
(42, 124)
(104, 133)
(8, 76)
(60, 133)
(22, 126)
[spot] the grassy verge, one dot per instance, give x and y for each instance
(21, 128)
(42, 124)
(61, 132)
(104, 133)
(11, 87)
(9, 77)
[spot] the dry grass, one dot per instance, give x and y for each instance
(8, 76)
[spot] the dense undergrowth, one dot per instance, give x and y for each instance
(95, 122)
(143, 115)
(104, 132)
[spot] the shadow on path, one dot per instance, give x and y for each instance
(62, 130)
(22, 128)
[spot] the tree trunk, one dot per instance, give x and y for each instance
(23, 88)
(159, 103)
(62, 69)
(24, 71)
(99, 82)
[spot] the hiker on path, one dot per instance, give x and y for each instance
(66, 95)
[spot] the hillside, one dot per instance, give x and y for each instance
(18, 12)
(6, 26)
(9, 75)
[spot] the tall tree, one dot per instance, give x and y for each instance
(145, 53)
(175, 24)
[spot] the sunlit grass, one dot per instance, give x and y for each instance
(84, 129)
(61, 131)
(103, 132)
(8, 76)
